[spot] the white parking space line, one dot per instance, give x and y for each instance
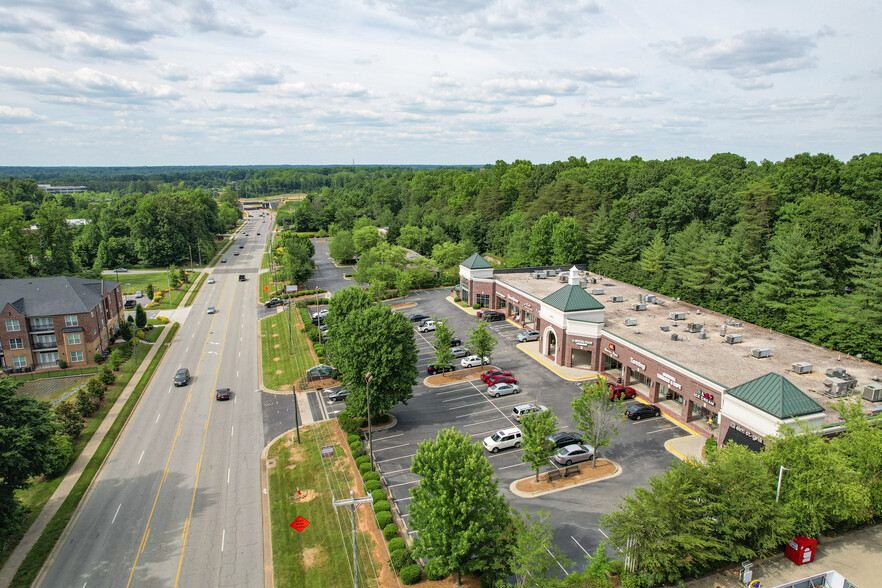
(482, 422)
(142, 456)
(459, 398)
(580, 546)
(517, 465)
(662, 430)
(403, 484)
(387, 437)
(116, 513)
(602, 533)
(454, 391)
(460, 406)
(402, 499)
(157, 419)
(394, 458)
(393, 447)
(558, 563)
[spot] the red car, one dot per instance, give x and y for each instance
(501, 379)
(617, 391)
(492, 373)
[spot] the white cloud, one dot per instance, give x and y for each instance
(72, 45)
(84, 86)
(531, 87)
(245, 77)
(639, 100)
(171, 72)
(18, 115)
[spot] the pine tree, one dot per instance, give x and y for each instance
(739, 264)
(652, 261)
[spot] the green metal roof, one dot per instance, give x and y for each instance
(476, 262)
(775, 395)
(571, 298)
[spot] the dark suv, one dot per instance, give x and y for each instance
(492, 315)
(273, 302)
(439, 369)
(563, 438)
(182, 377)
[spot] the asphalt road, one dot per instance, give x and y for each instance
(178, 501)
(326, 274)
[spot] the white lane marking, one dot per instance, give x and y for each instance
(240, 353)
(558, 563)
(232, 429)
(223, 538)
(116, 513)
(187, 350)
(157, 419)
(142, 456)
(237, 374)
(228, 475)
(580, 546)
(393, 447)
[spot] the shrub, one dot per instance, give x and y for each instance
(95, 388)
(62, 364)
(97, 358)
(150, 291)
(106, 375)
(358, 451)
(476, 306)
(378, 495)
(710, 445)
(364, 467)
(435, 571)
(455, 299)
(139, 334)
(396, 543)
(347, 423)
(355, 445)
(383, 519)
(163, 319)
(60, 458)
(362, 459)
(380, 419)
(411, 574)
(371, 485)
(382, 505)
(367, 476)
(401, 558)
(390, 531)
(616, 567)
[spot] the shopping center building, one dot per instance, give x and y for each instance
(723, 377)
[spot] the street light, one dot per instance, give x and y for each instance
(780, 475)
(367, 392)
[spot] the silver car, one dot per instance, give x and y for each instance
(459, 351)
(497, 390)
(525, 336)
(573, 454)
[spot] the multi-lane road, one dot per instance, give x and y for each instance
(178, 501)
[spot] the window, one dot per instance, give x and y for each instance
(71, 321)
(76, 356)
(41, 324)
(500, 303)
(15, 344)
(19, 362)
(483, 300)
(12, 325)
(49, 358)
(45, 341)
(73, 339)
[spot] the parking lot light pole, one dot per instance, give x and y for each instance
(780, 475)
(367, 392)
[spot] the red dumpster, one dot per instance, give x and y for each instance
(801, 550)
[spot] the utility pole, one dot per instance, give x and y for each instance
(190, 249)
(367, 392)
(352, 502)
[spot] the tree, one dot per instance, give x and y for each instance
(541, 247)
(443, 336)
(27, 449)
(346, 301)
(450, 254)
(366, 238)
(150, 291)
(69, 418)
(481, 342)
(534, 553)
(54, 252)
(140, 317)
(568, 242)
(652, 260)
(597, 416)
(861, 445)
(866, 274)
(377, 341)
(457, 509)
(294, 254)
(536, 428)
(125, 331)
(341, 246)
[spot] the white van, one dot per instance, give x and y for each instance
(503, 440)
(139, 294)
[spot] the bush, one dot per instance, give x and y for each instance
(396, 543)
(476, 306)
(367, 476)
(382, 506)
(97, 358)
(616, 567)
(95, 388)
(371, 485)
(139, 334)
(400, 559)
(710, 445)
(380, 419)
(358, 451)
(352, 437)
(348, 423)
(106, 375)
(163, 319)
(364, 467)
(362, 459)
(62, 364)
(455, 299)
(390, 531)
(378, 495)
(383, 519)
(355, 446)
(411, 574)
(435, 571)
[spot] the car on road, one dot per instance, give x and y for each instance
(241, 277)
(182, 377)
(439, 369)
(236, 254)
(211, 280)
(211, 310)
(637, 412)
(224, 260)
(497, 390)
(459, 351)
(503, 440)
(501, 379)
(418, 318)
(339, 395)
(525, 336)
(564, 438)
(121, 270)
(273, 302)
(258, 234)
(455, 342)
(426, 326)
(130, 304)
(529, 408)
(491, 373)
(570, 454)
(492, 315)
(241, 247)
(617, 391)
(473, 361)
(222, 394)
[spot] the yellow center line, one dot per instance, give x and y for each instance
(170, 452)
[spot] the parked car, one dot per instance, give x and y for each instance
(497, 390)
(570, 454)
(439, 369)
(564, 438)
(617, 391)
(139, 294)
(529, 408)
(489, 374)
(501, 379)
(130, 304)
(211, 310)
(426, 326)
(222, 394)
(503, 440)
(642, 411)
(210, 280)
(455, 342)
(339, 395)
(525, 336)
(273, 302)
(459, 351)
(121, 270)
(418, 318)
(258, 234)
(319, 316)
(492, 315)
(473, 361)
(182, 377)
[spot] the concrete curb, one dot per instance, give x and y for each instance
(517, 492)
(521, 347)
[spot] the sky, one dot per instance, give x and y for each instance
(204, 82)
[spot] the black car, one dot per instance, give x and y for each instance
(340, 394)
(222, 394)
(636, 412)
(182, 377)
(492, 315)
(439, 369)
(418, 318)
(273, 302)
(130, 304)
(564, 438)
(455, 342)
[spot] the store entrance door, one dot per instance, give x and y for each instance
(582, 358)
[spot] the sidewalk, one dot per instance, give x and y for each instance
(39, 525)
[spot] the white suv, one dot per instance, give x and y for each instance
(503, 440)
(530, 408)
(473, 361)
(426, 326)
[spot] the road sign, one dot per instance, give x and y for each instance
(299, 524)
(327, 450)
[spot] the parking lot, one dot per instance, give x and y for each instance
(575, 513)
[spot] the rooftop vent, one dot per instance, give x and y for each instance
(702, 334)
(665, 328)
(630, 322)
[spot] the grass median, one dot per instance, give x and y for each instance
(284, 350)
(196, 289)
(38, 554)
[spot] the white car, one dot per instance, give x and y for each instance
(426, 326)
(211, 280)
(497, 390)
(210, 310)
(525, 336)
(503, 440)
(473, 361)
(522, 409)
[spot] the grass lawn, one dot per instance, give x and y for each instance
(294, 357)
(134, 282)
(266, 280)
(326, 558)
(53, 374)
(264, 263)
(153, 334)
(196, 289)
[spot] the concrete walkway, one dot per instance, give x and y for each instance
(58, 497)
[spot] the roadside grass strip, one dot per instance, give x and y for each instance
(153, 334)
(284, 350)
(36, 557)
(196, 289)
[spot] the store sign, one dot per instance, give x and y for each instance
(669, 380)
(527, 305)
(611, 349)
(582, 342)
(513, 299)
(744, 431)
(705, 397)
(642, 366)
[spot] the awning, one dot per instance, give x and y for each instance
(742, 439)
(72, 329)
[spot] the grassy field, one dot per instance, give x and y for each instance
(153, 334)
(285, 354)
(35, 558)
(322, 554)
(266, 280)
(195, 289)
(135, 282)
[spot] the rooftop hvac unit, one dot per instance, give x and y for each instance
(665, 328)
(838, 386)
(802, 367)
(732, 338)
(676, 337)
(723, 330)
(677, 316)
(630, 322)
(761, 352)
(873, 392)
(552, 272)
(540, 275)
(637, 306)
(835, 372)
(593, 280)
(640, 298)
(583, 282)
(702, 334)
(597, 291)
(658, 301)
(650, 298)
(562, 277)
(616, 298)
(694, 327)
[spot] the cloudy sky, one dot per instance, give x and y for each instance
(194, 82)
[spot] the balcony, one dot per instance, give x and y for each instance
(44, 346)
